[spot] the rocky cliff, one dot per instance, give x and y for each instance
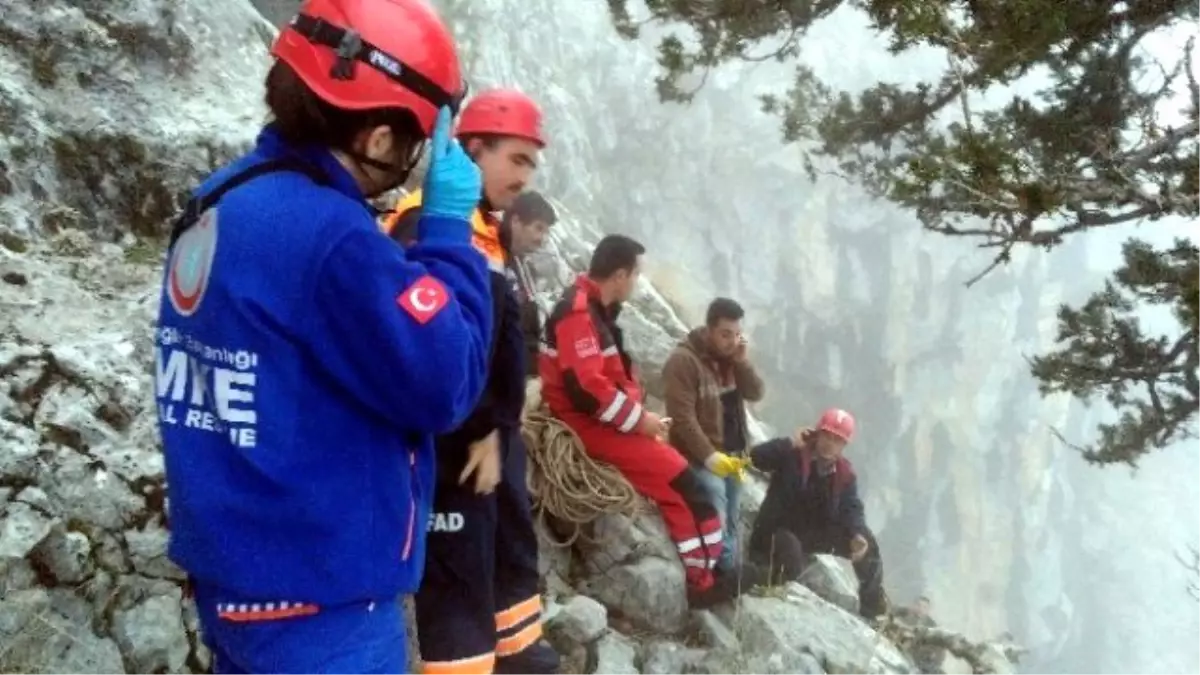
(100, 139)
(84, 582)
(108, 110)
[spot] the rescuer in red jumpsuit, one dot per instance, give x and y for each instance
(590, 383)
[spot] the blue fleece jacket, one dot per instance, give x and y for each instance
(301, 378)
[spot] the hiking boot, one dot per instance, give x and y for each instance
(752, 575)
(536, 659)
(723, 589)
(711, 597)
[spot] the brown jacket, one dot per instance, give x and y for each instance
(693, 381)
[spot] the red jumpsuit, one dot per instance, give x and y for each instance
(590, 383)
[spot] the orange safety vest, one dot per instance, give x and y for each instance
(485, 230)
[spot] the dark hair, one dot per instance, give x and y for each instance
(723, 309)
(614, 253)
(487, 141)
(531, 207)
(302, 118)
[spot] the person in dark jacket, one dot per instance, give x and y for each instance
(304, 363)
(479, 608)
(523, 230)
(812, 506)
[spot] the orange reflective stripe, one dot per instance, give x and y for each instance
(518, 612)
(517, 643)
(405, 204)
(490, 250)
(270, 611)
(485, 236)
(388, 223)
(484, 663)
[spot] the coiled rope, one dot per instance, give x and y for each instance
(564, 482)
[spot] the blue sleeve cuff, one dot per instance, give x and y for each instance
(437, 229)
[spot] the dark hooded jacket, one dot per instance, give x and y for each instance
(823, 511)
(530, 320)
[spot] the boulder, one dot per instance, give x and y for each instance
(148, 553)
(796, 621)
(151, 634)
(649, 592)
(580, 620)
(613, 654)
(616, 538)
(65, 555)
(663, 657)
(713, 632)
(775, 663)
(37, 637)
(833, 579)
(22, 529)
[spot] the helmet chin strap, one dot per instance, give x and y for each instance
(401, 173)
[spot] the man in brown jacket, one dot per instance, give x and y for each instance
(707, 380)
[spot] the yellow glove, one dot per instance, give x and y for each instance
(723, 465)
(743, 464)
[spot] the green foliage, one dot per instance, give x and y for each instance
(1104, 143)
(1150, 379)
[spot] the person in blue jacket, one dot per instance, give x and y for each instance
(305, 362)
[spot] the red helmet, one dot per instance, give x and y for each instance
(837, 422)
(505, 112)
(363, 54)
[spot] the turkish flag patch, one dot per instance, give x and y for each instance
(424, 299)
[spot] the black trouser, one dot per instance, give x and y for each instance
(479, 598)
(786, 557)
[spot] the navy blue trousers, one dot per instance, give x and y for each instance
(479, 597)
(285, 637)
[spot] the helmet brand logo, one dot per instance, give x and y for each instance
(384, 62)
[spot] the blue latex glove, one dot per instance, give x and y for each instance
(453, 183)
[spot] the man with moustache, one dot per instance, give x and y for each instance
(812, 506)
(591, 383)
(478, 609)
(706, 381)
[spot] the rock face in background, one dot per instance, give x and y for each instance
(110, 108)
